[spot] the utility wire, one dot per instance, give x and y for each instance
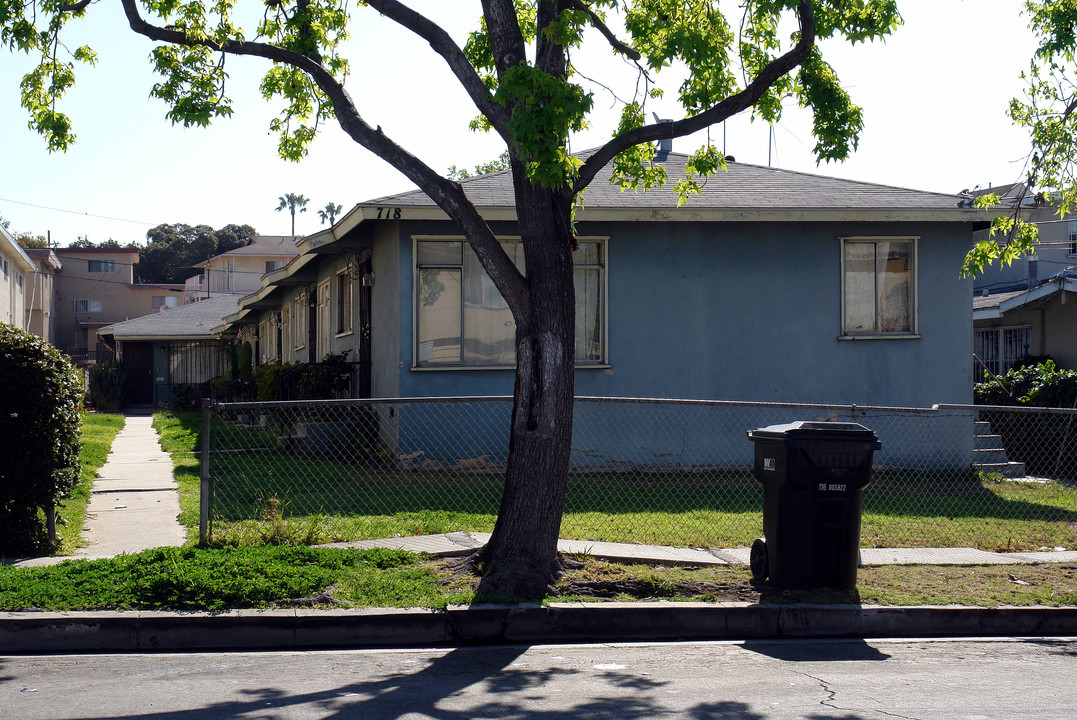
(76, 212)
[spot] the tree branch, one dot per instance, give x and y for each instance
(444, 46)
(448, 195)
(732, 105)
(75, 7)
(618, 45)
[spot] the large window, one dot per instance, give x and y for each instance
(878, 286)
(102, 265)
(463, 320)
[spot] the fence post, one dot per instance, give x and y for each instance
(206, 489)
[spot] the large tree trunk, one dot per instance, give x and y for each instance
(520, 561)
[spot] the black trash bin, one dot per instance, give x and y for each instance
(813, 475)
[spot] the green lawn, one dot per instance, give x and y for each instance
(222, 578)
(265, 494)
(98, 432)
(192, 578)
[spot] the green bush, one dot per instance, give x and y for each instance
(107, 381)
(40, 437)
(245, 360)
(185, 398)
(1041, 385)
(265, 377)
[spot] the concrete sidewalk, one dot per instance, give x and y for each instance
(134, 504)
(461, 543)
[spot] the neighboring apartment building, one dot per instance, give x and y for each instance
(240, 271)
(96, 288)
(15, 266)
(1025, 308)
(40, 293)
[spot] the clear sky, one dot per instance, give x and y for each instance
(934, 96)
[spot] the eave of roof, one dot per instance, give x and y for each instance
(22, 260)
(1008, 302)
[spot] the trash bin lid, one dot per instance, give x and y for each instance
(815, 430)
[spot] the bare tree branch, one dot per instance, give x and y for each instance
(443, 45)
(75, 7)
(621, 47)
(732, 105)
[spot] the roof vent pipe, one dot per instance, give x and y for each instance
(665, 145)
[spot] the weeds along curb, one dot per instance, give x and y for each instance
(490, 624)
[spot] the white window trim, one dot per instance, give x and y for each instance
(914, 310)
(603, 364)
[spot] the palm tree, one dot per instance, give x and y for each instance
(293, 202)
(330, 212)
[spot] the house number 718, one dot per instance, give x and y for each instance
(388, 213)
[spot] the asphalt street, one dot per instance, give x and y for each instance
(966, 679)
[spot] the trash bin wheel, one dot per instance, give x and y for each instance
(758, 560)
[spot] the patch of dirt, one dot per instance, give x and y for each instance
(642, 590)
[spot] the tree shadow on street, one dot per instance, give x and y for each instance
(440, 689)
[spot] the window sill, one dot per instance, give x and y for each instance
(880, 336)
(345, 333)
(443, 368)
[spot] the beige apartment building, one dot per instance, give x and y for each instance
(40, 293)
(15, 268)
(96, 288)
(240, 271)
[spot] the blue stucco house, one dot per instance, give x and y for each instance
(769, 286)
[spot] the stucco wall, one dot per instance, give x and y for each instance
(1051, 324)
(746, 311)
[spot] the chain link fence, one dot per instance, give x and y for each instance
(649, 471)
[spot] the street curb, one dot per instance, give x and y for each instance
(138, 631)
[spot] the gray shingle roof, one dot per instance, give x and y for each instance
(744, 186)
(980, 302)
(283, 245)
(198, 320)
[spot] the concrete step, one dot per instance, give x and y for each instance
(987, 442)
(994, 455)
(1007, 469)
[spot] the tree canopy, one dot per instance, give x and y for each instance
(516, 68)
(172, 251)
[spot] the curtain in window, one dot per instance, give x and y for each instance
(860, 287)
(489, 328)
(439, 315)
(895, 286)
(588, 283)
